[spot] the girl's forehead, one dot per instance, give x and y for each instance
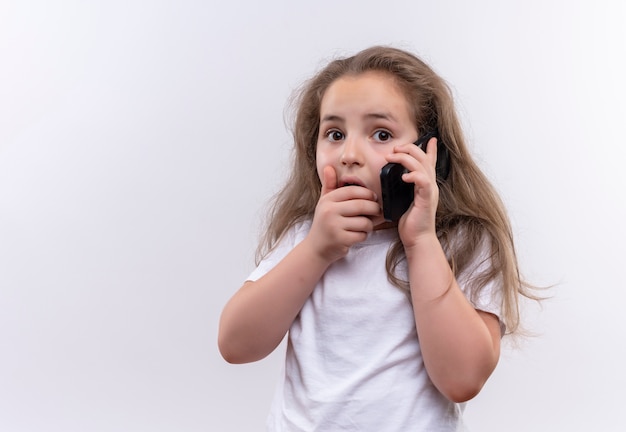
(378, 80)
(368, 91)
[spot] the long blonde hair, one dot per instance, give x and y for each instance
(469, 209)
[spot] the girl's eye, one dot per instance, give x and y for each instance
(334, 135)
(382, 136)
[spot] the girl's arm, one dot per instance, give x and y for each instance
(460, 345)
(258, 316)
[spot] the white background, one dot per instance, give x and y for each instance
(140, 141)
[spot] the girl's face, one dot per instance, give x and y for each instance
(362, 118)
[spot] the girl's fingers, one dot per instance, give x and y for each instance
(349, 194)
(412, 156)
(360, 207)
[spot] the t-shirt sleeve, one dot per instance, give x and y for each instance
(489, 297)
(292, 237)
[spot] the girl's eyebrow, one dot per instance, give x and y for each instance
(381, 115)
(374, 115)
(332, 118)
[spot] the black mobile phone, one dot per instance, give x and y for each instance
(398, 195)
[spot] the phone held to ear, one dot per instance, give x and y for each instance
(398, 195)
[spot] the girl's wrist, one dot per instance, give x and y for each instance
(425, 243)
(316, 254)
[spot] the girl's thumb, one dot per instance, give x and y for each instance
(329, 179)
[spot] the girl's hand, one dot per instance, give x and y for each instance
(419, 219)
(343, 217)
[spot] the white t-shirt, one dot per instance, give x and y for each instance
(353, 360)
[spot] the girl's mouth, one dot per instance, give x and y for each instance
(351, 182)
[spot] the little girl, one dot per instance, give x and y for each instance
(391, 326)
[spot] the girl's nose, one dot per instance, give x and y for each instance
(352, 152)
